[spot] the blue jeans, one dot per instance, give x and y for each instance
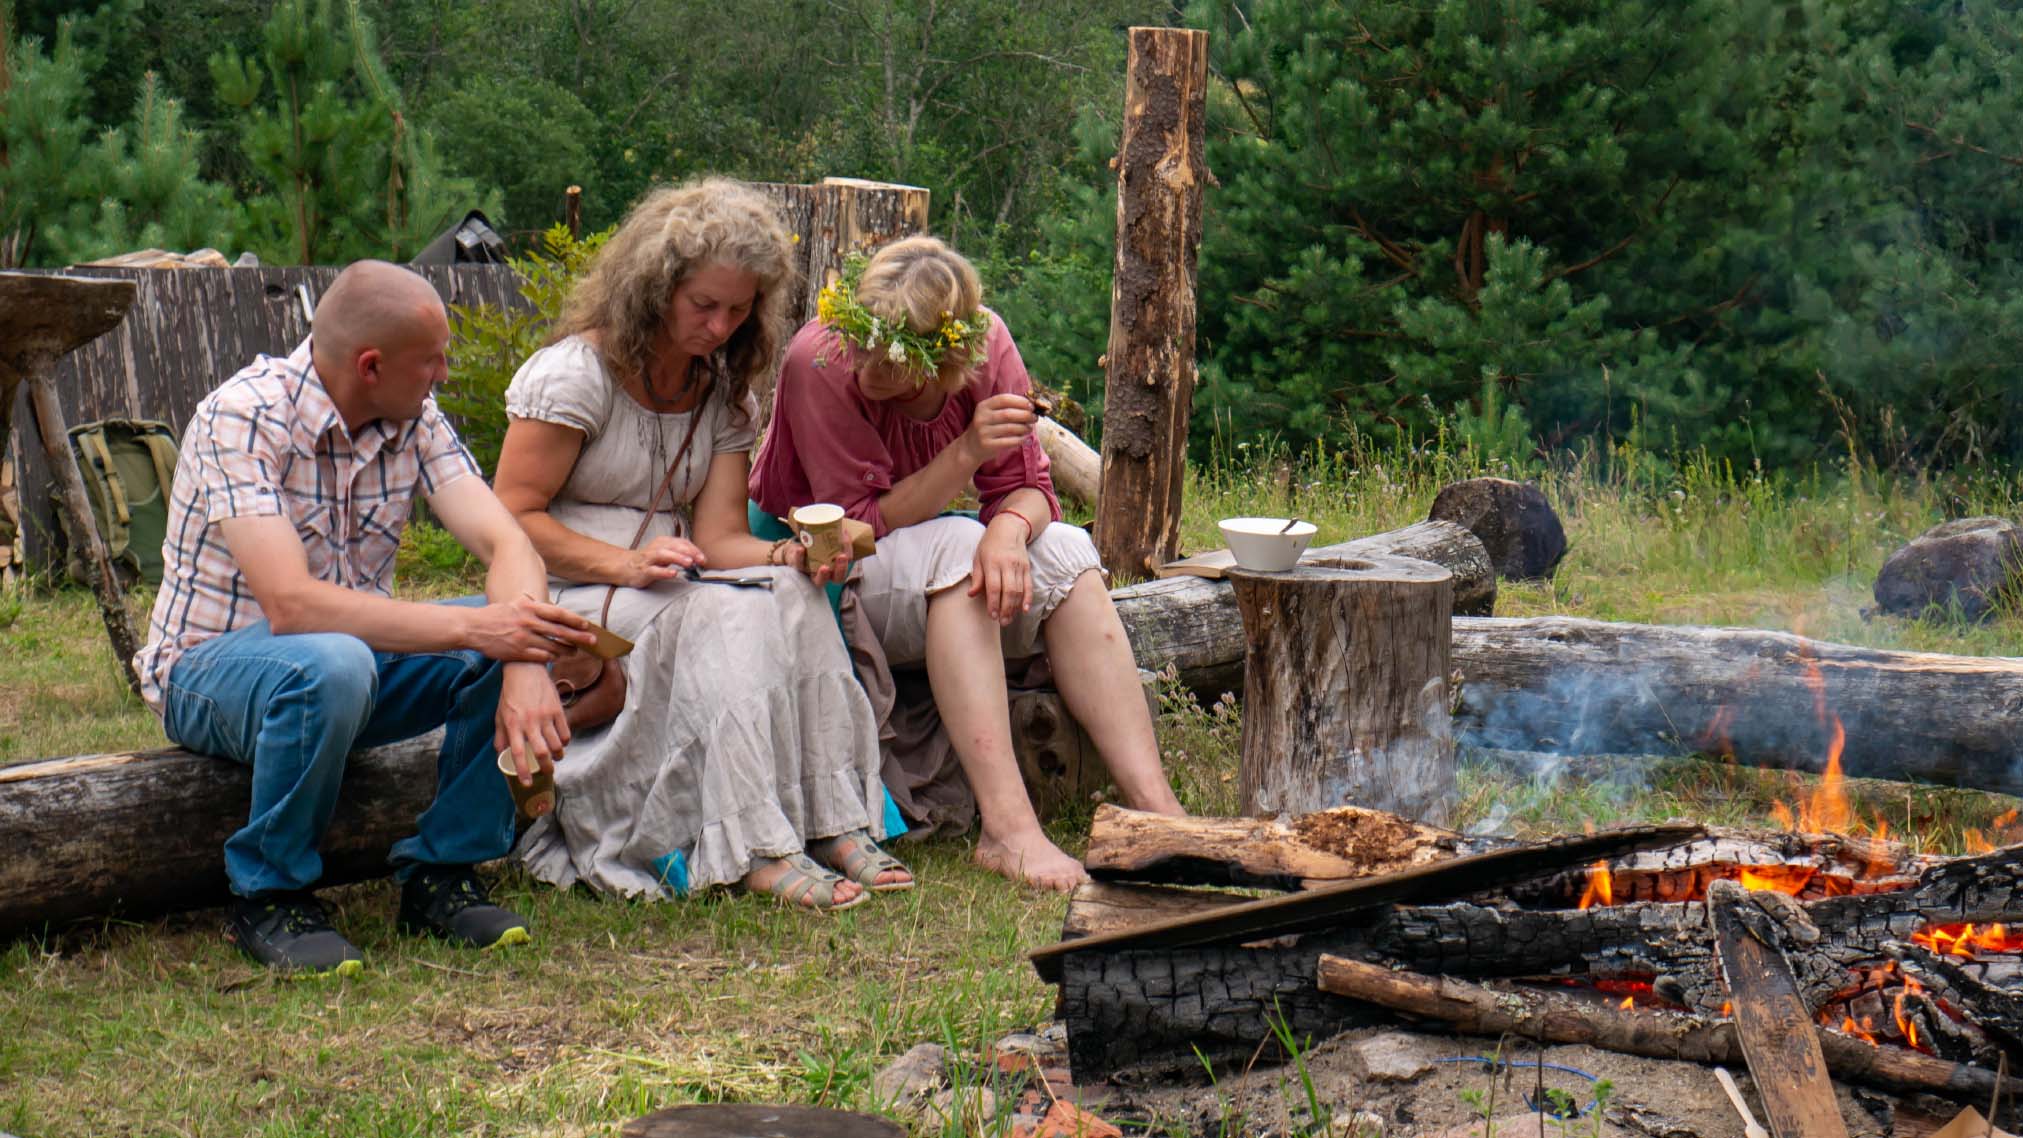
(293, 707)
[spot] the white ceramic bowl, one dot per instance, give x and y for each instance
(1258, 543)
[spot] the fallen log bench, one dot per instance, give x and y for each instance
(1572, 686)
(142, 833)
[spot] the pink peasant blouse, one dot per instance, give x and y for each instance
(828, 443)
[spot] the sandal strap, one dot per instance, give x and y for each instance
(803, 876)
(863, 860)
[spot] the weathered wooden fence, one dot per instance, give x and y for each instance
(190, 329)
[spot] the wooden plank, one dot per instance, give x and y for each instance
(1330, 904)
(1312, 849)
(1778, 1038)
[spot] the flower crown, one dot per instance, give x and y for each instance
(922, 352)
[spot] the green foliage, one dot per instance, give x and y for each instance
(488, 344)
(150, 192)
(345, 176)
(1738, 225)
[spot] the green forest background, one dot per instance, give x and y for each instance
(1764, 231)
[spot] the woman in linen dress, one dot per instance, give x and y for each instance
(892, 428)
(745, 744)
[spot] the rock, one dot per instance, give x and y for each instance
(912, 1077)
(1528, 1126)
(1516, 524)
(247, 260)
(965, 1110)
(1969, 562)
(1392, 1057)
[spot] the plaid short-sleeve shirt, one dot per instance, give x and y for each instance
(269, 442)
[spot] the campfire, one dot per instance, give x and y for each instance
(1906, 961)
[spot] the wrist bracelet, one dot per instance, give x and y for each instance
(773, 555)
(1021, 517)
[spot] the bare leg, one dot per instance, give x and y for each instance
(965, 667)
(1098, 677)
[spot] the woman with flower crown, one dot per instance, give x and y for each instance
(903, 392)
(746, 752)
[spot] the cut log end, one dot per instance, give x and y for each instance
(43, 316)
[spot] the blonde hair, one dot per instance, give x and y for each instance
(920, 282)
(670, 233)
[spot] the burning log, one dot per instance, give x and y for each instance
(1345, 687)
(1772, 1024)
(1558, 1017)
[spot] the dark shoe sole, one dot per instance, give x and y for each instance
(518, 934)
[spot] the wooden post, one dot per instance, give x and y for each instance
(41, 319)
(1149, 380)
(1345, 687)
(572, 211)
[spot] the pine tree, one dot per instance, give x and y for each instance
(346, 175)
(42, 182)
(150, 194)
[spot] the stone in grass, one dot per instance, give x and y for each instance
(1516, 524)
(1964, 565)
(1392, 1057)
(907, 1084)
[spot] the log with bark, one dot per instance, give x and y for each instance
(143, 833)
(1301, 852)
(1570, 686)
(1074, 466)
(1561, 1017)
(1345, 687)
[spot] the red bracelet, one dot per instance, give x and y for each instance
(1021, 517)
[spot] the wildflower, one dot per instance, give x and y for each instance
(896, 353)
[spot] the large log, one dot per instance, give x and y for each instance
(134, 835)
(143, 833)
(1586, 687)
(1583, 687)
(1075, 467)
(1192, 624)
(1345, 687)
(1150, 362)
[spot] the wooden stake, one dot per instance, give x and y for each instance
(1150, 361)
(572, 211)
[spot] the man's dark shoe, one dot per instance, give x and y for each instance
(289, 932)
(450, 902)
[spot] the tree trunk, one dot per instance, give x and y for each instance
(1193, 624)
(1150, 370)
(1345, 688)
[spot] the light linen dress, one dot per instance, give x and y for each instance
(745, 733)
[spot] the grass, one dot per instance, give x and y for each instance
(619, 1009)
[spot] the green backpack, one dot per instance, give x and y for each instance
(129, 466)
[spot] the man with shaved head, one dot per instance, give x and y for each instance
(276, 640)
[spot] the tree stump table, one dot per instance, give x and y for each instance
(1345, 696)
(42, 318)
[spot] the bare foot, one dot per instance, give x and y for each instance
(792, 883)
(1161, 801)
(1031, 858)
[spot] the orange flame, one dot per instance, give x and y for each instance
(1600, 886)
(1966, 940)
(1975, 842)
(1628, 1003)
(1727, 1008)
(1826, 809)
(1788, 879)
(1907, 1028)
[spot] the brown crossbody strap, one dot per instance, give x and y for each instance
(666, 484)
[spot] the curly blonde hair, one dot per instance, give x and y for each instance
(670, 233)
(921, 282)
